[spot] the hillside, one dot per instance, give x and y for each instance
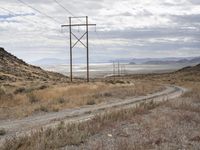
(14, 69)
(191, 69)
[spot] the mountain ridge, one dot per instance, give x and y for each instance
(195, 60)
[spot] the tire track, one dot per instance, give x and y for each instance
(32, 123)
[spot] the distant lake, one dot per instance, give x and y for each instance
(103, 69)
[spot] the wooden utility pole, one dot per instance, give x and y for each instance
(70, 36)
(86, 33)
(118, 69)
(114, 70)
(87, 37)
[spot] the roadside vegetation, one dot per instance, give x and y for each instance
(24, 100)
(173, 124)
(76, 133)
(168, 125)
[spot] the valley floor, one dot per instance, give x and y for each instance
(173, 124)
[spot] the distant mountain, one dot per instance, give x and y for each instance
(132, 63)
(155, 60)
(132, 60)
(152, 60)
(159, 62)
(182, 61)
(49, 61)
(14, 69)
(195, 60)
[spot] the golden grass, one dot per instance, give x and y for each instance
(36, 99)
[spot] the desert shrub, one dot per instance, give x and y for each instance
(100, 95)
(111, 81)
(61, 100)
(2, 91)
(61, 125)
(120, 82)
(2, 132)
(32, 98)
(20, 90)
(116, 82)
(91, 102)
(97, 95)
(43, 87)
(106, 94)
(42, 109)
(54, 109)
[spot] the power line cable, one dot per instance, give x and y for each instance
(14, 14)
(67, 10)
(64, 8)
(44, 14)
(30, 20)
(40, 12)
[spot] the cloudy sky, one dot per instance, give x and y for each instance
(125, 29)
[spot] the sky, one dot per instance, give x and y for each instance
(125, 29)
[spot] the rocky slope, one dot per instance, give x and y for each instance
(189, 69)
(14, 69)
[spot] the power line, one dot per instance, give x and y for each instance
(8, 11)
(67, 10)
(39, 11)
(64, 8)
(14, 14)
(30, 20)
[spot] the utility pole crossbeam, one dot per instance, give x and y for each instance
(85, 34)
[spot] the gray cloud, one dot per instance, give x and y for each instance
(186, 19)
(128, 28)
(196, 2)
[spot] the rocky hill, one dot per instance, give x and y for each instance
(14, 69)
(191, 73)
(191, 69)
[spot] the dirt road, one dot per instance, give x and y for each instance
(25, 125)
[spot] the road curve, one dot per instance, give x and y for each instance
(21, 126)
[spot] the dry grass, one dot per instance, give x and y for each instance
(76, 134)
(47, 98)
(2, 132)
(170, 125)
(73, 134)
(190, 101)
